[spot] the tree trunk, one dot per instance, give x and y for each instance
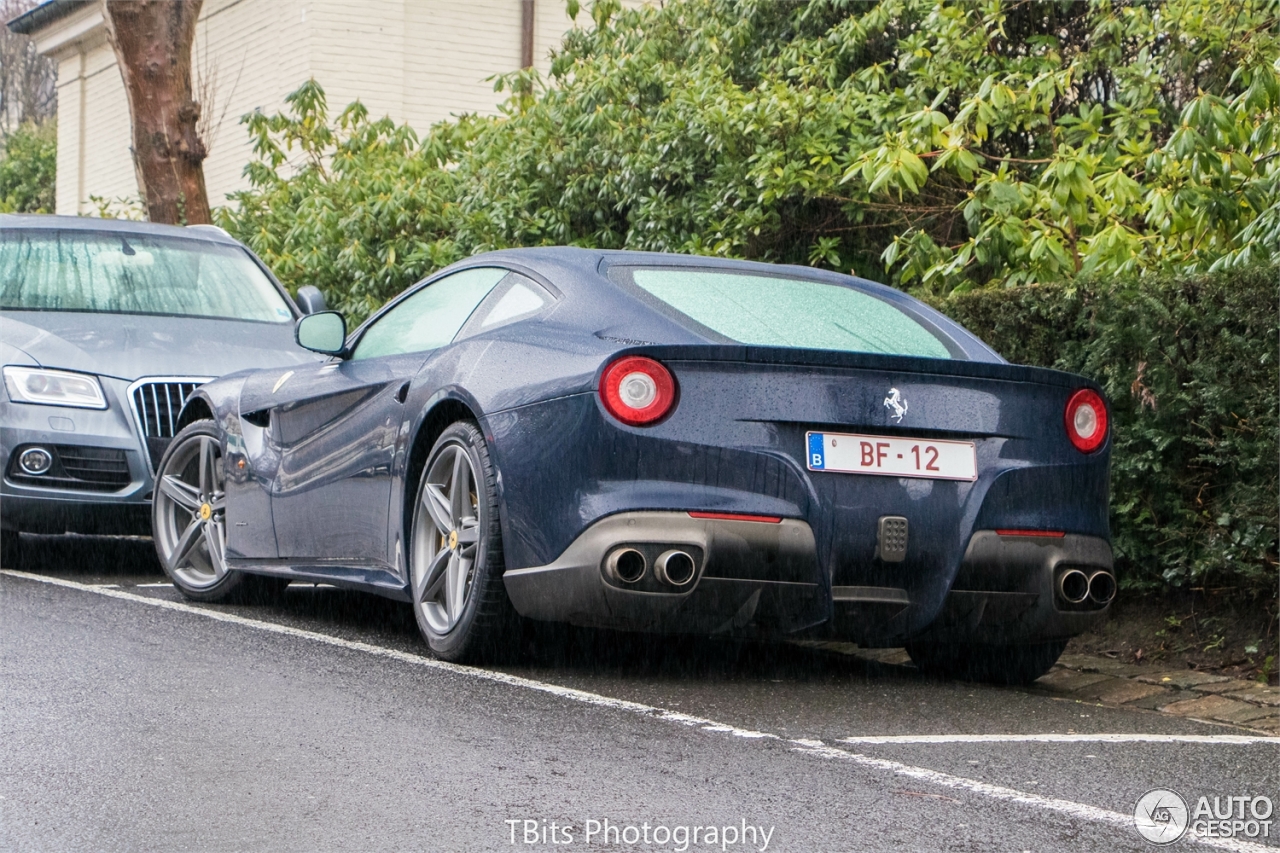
(152, 40)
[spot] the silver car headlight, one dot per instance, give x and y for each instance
(53, 388)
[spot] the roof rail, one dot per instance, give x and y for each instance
(213, 229)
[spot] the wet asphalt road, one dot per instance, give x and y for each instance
(318, 723)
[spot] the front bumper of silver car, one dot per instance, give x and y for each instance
(100, 476)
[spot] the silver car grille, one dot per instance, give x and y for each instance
(157, 403)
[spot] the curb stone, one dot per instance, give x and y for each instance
(1183, 693)
(1182, 679)
(1232, 686)
(1217, 708)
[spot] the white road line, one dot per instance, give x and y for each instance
(404, 657)
(1058, 738)
(814, 748)
(996, 792)
(151, 585)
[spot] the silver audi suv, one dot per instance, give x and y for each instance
(106, 327)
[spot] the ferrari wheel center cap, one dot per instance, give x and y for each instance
(453, 540)
(206, 512)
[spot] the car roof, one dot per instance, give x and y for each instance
(51, 222)
(579, 273)
(593, 262)
(590, 260)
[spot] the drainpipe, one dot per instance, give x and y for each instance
(82, 85)
(526, 33)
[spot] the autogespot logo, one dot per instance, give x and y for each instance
(1161, 816)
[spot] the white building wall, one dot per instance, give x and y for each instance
(256, 52)
(418, 61)
(453, 47)
(357, 52)
(70, 102)
(106, 136)
(551, 22)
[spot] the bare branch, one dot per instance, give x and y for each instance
(28, 81)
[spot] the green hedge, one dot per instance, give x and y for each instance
(28, 167)
(1189, 366)
(933, 144)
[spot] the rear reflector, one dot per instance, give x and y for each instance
(891, 540)
(1052, 534)
(732, 516)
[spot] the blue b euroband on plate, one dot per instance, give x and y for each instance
(892, 457)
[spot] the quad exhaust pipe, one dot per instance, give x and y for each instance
(1102, 587)
(1075, 587)
(626, 565)
(674, 567)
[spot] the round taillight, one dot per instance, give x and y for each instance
(637, 390)
(1086, 420)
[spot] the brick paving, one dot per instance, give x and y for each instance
(1184, 693)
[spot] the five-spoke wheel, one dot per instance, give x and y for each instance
(190, 511)
(188, 514)
(455, 552)
(444, 542)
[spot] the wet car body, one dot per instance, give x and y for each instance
(324, 463)
(830, 570)
(146, 365)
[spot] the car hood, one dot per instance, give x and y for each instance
(130, 346)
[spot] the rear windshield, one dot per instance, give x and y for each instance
(784, 311)
(134, 274)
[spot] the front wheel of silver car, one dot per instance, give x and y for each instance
(188, 517)
(455, 551)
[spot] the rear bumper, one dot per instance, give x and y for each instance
(757, 578)
(750, 577)
(1005, 590)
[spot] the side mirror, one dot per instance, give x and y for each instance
(325, 332)
(309, 299)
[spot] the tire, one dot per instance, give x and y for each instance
(188, 521)
(455, 553)
(993, 664)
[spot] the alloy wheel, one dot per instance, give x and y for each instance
(446, 538)
(191, 513)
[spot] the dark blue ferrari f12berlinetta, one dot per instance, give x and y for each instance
(658, 443)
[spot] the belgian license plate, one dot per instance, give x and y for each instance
(892, 457)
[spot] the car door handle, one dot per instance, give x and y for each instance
(403, 393)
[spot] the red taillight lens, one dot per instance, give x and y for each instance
(637, 390)
(1086, 420)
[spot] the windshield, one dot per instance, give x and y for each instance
(766, 310)
(134, 274)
